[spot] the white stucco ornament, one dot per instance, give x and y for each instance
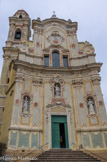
(55, 38)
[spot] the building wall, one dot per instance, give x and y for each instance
(30, 79)
(7, 113)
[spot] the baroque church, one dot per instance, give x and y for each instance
(50, 93)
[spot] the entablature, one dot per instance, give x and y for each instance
(71, 69)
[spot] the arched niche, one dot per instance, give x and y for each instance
(17, 34)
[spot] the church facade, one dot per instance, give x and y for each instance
(50, 90)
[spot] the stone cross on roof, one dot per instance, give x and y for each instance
(54, 15)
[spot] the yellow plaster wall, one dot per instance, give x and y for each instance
(12, 76)
(4, 73)
(7, 114)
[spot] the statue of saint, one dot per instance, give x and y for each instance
(57, 90)
(90, 104)
(26, 105)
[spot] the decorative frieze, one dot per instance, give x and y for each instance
(37, 82)
(77, 82)
(58, 103)
(96, 80)
(19, 78)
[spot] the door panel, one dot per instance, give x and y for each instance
(55, 135)
(59, 119)
(66, 135)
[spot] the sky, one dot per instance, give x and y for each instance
(91, 16)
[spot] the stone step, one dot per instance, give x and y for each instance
(52, 153)
(66, 160)
(65, 155)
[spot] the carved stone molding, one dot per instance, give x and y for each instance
(58, 104)
(57, 79)
(19, 78)
(23, 47)
(71, 32)
(77, 82)
(39, 30)
(27, 94)
(96, 80)
(90, 94)
(37, 82)
(94, 129)
(88, 48)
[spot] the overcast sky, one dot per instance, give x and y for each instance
(91, 16)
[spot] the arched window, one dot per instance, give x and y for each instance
(55, 59)
(20, 16)
(91, 106)
(26, 104)
(57, 90)
(17, 34)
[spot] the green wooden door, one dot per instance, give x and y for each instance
(55, 135)
(66, 135)
(56, 120)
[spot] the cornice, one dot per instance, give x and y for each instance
(92, 129)
(58, 103)
(80, 57)
(61, 21)
(5, 49)
(71, 69)
(17, 19)
(25, 129)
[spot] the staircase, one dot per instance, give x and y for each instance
(65, 155)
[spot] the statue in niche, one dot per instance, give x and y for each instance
(91, 106)
(57, 90)
(26, 104)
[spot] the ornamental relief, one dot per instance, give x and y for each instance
(37, 82)
(57, 79)
(19, 77)
(58, 109)
(23, 47)
(57, 84)
(55, 38)
(77, 83)
(88, 48)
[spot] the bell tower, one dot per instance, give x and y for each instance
(19, 29)
(18, 37)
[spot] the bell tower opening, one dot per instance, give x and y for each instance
(18, 34)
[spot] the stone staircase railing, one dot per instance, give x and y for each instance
(80, 147)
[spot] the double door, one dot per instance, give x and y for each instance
(59, 132)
